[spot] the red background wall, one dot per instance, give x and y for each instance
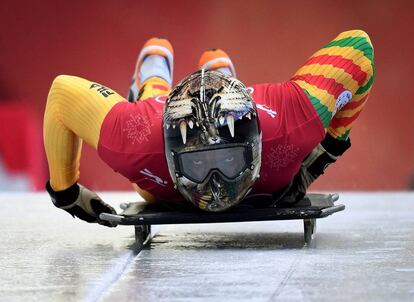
(267, 40)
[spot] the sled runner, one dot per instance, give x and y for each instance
(142, 215)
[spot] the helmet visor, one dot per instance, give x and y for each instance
(229, 161)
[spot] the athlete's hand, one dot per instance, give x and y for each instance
(297, 189)
(87, 206)
(292, 193)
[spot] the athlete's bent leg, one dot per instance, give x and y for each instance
(75, 111)
(337, 79)
(152, 78)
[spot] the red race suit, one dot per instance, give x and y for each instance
(131, 139)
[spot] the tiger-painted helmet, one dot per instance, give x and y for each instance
(212, 140)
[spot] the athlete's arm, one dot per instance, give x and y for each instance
(74, 113)
(337, 80)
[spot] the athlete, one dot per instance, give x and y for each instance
(210, 141)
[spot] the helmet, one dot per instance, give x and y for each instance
(212, 140)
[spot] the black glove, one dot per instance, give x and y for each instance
(314, 165)
(81, 202)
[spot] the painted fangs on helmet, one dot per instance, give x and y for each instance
(167, 126)
(221, 120)
(191, 124)
(249, 116)
(183, 130)
(230, 124)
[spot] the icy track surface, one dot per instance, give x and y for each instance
(365, 253)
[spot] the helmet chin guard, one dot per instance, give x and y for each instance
(212, 140)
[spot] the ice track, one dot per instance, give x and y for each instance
(365, 253)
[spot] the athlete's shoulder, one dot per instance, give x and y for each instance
(150, 108)
(273, 93)
(130, 126)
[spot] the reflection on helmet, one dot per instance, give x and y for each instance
(212, 140)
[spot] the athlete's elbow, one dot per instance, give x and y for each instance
(358, 33)
(60, 80)
(365, 45)
(60, 84)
